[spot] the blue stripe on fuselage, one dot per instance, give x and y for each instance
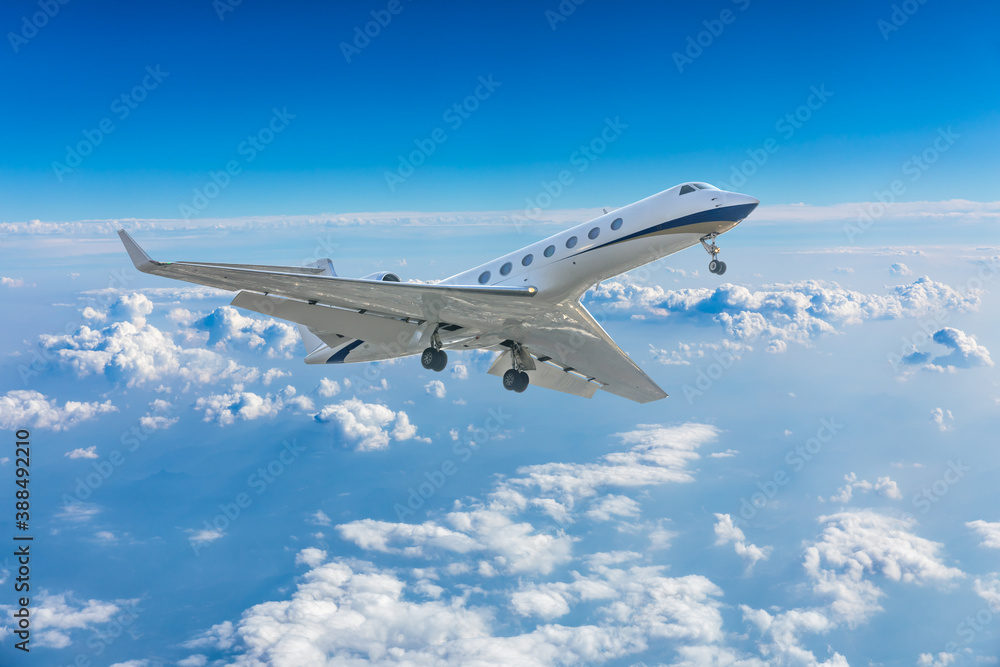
(722, 214)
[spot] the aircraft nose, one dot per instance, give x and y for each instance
(745, 202)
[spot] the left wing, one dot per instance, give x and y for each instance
(453, 303)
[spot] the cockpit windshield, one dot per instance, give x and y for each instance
(696, 185)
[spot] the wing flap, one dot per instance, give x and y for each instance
(548, 376)
(381, 331)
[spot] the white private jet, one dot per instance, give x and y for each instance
(525, 304)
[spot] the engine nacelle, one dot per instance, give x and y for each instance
(385, 276)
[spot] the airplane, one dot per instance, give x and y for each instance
(525, 304)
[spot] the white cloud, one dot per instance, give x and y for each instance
(14, 283)
(320, 518)
(204, 536)
(82, 453)
(990, 532)
(21, 408)
(942, 660)
(899, 269)
(460, 372)
(853, 546)
(964, 352)
(158, 417)
(328, 387)
(883, 486)
(56, 617)
(727, 532)
(611, 506)
(781, 313)
(368, 425)
(310, 556)
(225, 409)
(943, 418)
(135, 352)
(196, 660)
(436, 388)
(227, 326)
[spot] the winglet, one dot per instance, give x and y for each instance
(142, 261)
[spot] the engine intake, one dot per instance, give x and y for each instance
(385, 276)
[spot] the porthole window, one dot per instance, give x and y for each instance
(571, 242)
(617, 224)
(484, 277)
(527, 260)
(551, 250)
(593, 234)
(505, 269)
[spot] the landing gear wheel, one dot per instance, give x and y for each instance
(434, 360)
(440, 361)
(722, 268)
(713, 266)
(511, 380)
(522, 382)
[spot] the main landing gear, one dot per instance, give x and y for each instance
(434, 358)
(716, 266)
(515, 379)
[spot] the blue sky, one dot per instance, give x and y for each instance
(202, 497)
(353, 120)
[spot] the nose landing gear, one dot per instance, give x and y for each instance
(716, 266)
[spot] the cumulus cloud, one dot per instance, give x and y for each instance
(899, 269)
(21, 408)
(56, 618)
(883, 486)
(611, 506)
(989, 532)
(14, 283)
(460, 372)
(943, 418)
(781, 313)
(159, 416)
(310, 556)
(131, 350)
(853, 547)
(436, 388)
(226, 409)
(368, 425)
(726, 532)
(82, 453)
(353, 612)
(963, 352)
(228, 326)
(328, 388)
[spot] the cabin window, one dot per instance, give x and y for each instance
(484, 277)
(551, 250)
(527, 260)
(617, 224)
(594, 233)
(505, 269)
(686, 189)
(571, 242)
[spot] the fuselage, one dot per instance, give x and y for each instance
(563, 266)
